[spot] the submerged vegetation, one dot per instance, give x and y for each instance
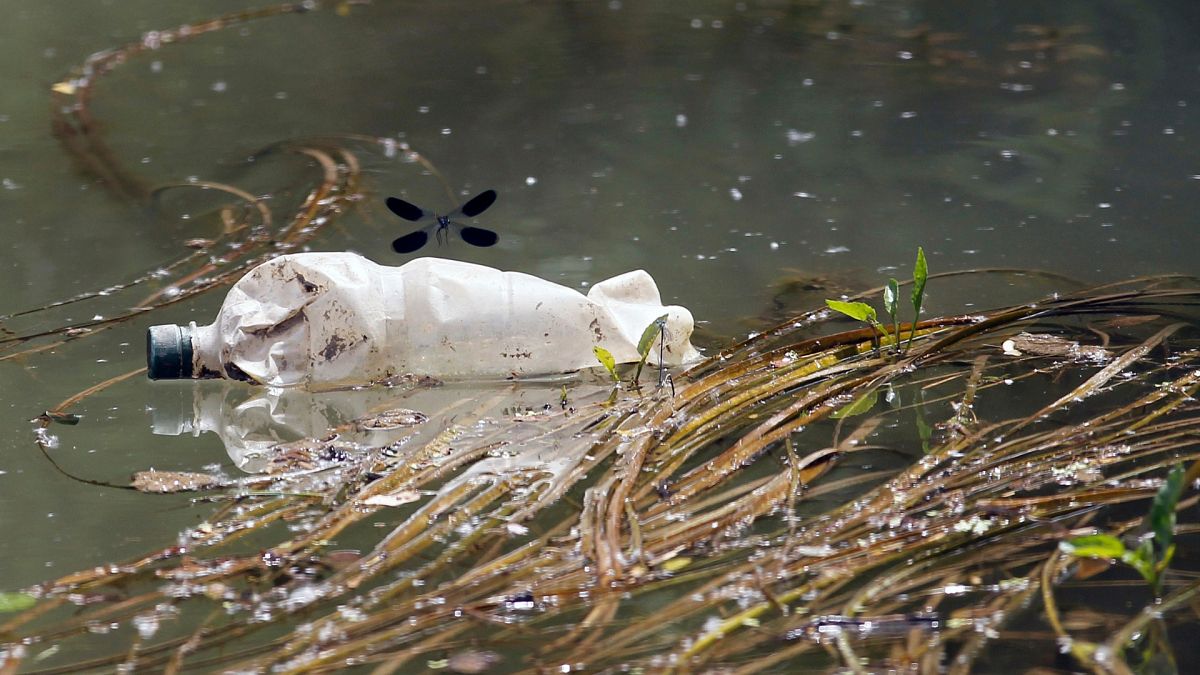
(765, 514)
(1151, 557)
(740, 523)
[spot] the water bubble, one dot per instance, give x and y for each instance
(531, 180)
(146, 625)
(795, 137)
(681, 120)
(735, 194)
(219, 86)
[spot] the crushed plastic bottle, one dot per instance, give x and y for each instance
(329, 319)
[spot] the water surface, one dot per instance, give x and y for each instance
(722, 146)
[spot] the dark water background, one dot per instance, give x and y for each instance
(721, 146)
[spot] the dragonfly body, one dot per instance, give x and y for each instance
(441, 226)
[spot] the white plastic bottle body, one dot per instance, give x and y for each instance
(322, 319)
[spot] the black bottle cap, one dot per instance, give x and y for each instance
(169, 352)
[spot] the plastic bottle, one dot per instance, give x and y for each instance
(329, 319)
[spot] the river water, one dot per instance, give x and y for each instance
(727, 147)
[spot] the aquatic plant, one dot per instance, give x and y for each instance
(645, 343)
(606, 359)
(920, 276)
(1156, 548)
(861, 311)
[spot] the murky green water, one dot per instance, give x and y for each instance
(721, 146)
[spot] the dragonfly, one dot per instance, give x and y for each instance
(441, 225)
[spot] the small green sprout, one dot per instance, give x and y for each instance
(606, 359)
(891, 304)
(1152, 556)
(647, 342)
(920, 276)
(891, 295)
(860, 311)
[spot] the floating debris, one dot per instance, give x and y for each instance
(165, 482)
(1052, 345)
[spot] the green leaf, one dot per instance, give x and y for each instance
(650, 335)
(1161, 565)
(16, 602)
(890, 293)
(1103, 546)
(647, 342)
(1142, 560)
(1162, 512)
(924, 431)
(859, 406)
(920, 275)
(855, 310)
(606, 359)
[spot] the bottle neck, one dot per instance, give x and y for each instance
(206, 352)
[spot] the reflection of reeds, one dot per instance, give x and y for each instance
(245, 237)
(246, 232)
(664, 544)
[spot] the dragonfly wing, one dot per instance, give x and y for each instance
(478, 204)
(477, 236)
(411, 241)
(406, 210)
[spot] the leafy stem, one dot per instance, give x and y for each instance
(1153, 553)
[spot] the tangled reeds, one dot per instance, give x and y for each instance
(761, 519)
